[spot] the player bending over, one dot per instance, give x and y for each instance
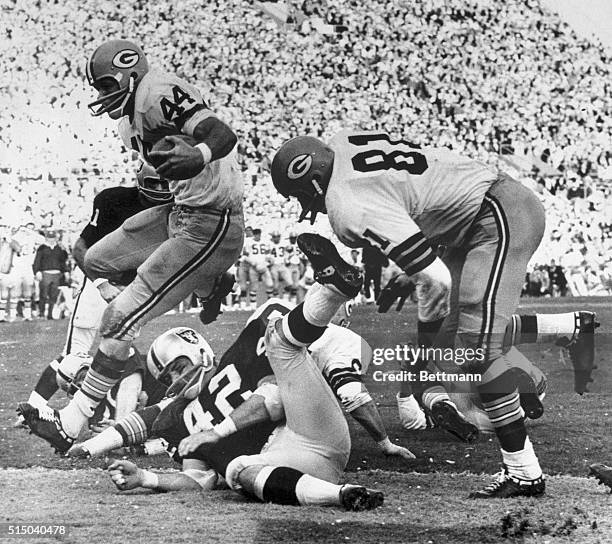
(407, 200)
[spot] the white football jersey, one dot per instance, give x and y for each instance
(163, 106)
(337, 348)
(402, 198)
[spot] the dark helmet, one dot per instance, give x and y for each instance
(302, 168)
(122, 61)
(153, 187)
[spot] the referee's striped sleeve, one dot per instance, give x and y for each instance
(413, 254)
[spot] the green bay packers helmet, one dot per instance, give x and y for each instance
(342, 317)
(171, 349)
(121, 61)
(152, 186)
(302, 168)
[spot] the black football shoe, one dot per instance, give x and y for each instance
(529, 393)
(602, 473)
(506, 486)
(446, 416)
(329, 268)
(211, 305)
(357, 498)
(582, 351)
(47, 425)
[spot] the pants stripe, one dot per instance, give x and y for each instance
(495, 278)
(199, 259)
(75, 309)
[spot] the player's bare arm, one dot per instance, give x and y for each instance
(369, 418)
(264, 405)
(195, 476)
(78, 253)
(215, 140)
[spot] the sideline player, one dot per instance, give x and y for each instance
(407, 200)
(111, 207)
(177, 248)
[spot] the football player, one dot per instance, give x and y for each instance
(111, 207)
(21, 280)
(259, 267)
(407, 200)
(278, 266)
(177, 248)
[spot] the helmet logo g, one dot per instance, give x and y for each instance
(299, 166)
(126, 58)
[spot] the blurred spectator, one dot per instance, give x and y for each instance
(51, 270)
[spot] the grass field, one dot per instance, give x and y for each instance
(425, 499)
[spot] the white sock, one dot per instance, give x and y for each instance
(411, 415)
(557, 324)
(312, 491)
(523, 463)
(77, 413)
(37, 400)
(322, 303)
(107, 440)
(2, 314)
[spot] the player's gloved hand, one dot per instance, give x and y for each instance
(398, 287)
(181, 162)
(101, 425)
(125, 475)
(78, 451)
(389, 448)
(108, 291)
(193, 442)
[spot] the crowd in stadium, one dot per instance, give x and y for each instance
(522, 93)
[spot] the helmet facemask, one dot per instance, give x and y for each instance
(114, 102)
(180, 358)
(152, 187)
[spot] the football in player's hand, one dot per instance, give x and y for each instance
(167, 144)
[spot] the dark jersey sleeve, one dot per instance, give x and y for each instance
(111, 208)
(246, 442)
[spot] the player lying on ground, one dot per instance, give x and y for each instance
(314, 439)
(407, 200)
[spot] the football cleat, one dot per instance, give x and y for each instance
(446, 416)
(357, 498)
(602, 473)
(19, 423)
(529, 393)
(211, 305)
(46, 424)
(329, 268)
(506, 486)
(582, 351)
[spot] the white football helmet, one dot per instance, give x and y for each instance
(180, 342)
(72, 364)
